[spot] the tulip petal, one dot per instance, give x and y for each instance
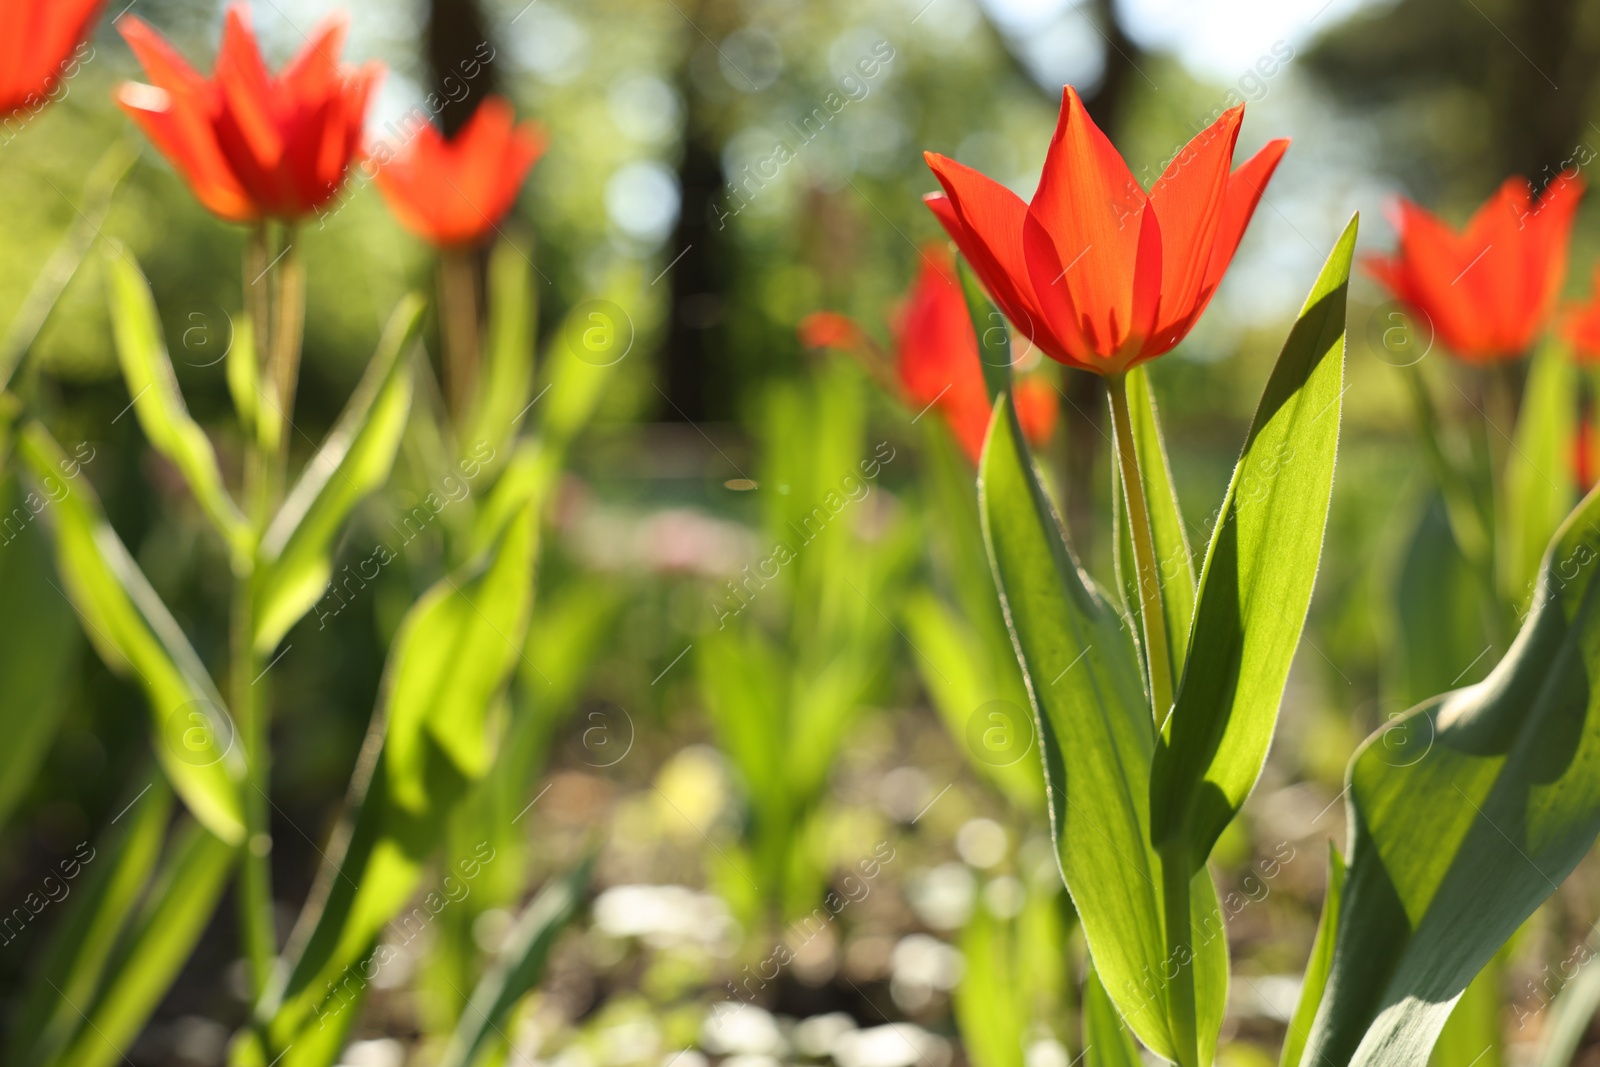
(247, 89)
(1081, 217)
(1189, 197)
(985, 219)
(1246, 185)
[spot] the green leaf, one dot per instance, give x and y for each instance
(1106, 1042)
(1174, 561)
(1097, 736)
(114, 874)
(1574, 1006)
(508, 365)
(1317, 967)
(450, 662)
(1444, 612)
(1471, 1037)
(1255, 587)
(990, 1003)
(453, 654)
(954, 667)
(1540, 483)
(518, 967)
(355, 459)
(1465, 814)
(243, 372)
(158, 404)
(174, 916)
(135, 633)
(38, 644)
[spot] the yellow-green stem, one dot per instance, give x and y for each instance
(1175, 888)
(1147, 575)
(250, 711)
(288, 328)
(458, 327)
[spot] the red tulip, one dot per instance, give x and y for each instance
(1095, 271)
(1582, 326)
(455, 192)
(1489, 290)
(936, 358)
(251, 144)
(37, 38)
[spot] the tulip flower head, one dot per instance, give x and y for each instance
(252, 144)
(37, 39)
(936, 358)
(456, 191)
(1096, 271)
(1489, 290)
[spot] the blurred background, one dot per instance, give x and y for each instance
(687, 149)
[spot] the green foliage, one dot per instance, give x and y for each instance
(135, 633)
(1315, 981)
(38, 645)
(1136, 818)
(784, 699)
(1255, 586)
(517, 969)
(159, 405)
(175, 912)
(1174, 561)
(1465, 814)
(355, 460)
(119, 867)
(1539, 483)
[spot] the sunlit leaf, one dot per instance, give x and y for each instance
(158, 404)
(991, 1002)
(1097, 737)
(1255, 586)
(1106, 1042)
(175, 913)
(517, 968)
(297, 551)
(453, 657)
(508, 352)
(1174, 562)
(1465, 815)
(1315, 981)
(1540, 484)
(104, 882)
(135, 634)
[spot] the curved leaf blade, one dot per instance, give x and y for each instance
(518, 968)
(135, 633)
(1096, 736)
(1465, 815)
(1540, 482)
(173, 918)
(354, 461)
(502, 397)
(1173, 557)
(1315, 982)
(1255, 586)
(157, 402)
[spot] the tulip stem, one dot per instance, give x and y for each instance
(458, 327)
(250, 707)
(288, 329)
(1152, 615)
